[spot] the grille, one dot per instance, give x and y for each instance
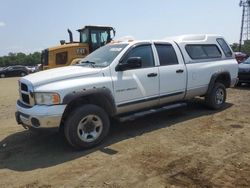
(25, 95)
(25, 98)
(24, 87)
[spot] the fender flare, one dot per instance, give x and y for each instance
(98, 93)
(214, 78)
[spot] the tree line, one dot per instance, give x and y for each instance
(31, 59)
(245, 48)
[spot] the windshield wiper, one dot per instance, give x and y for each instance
(88, 62)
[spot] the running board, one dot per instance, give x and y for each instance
(136, 115)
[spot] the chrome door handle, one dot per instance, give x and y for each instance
(179, 71)
(152, 74)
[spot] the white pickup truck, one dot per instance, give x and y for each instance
(125, 80)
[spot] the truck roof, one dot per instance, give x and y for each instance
(95, 27)
(192, 38)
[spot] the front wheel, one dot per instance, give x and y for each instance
(2, 75)
(86, 126)
(217, 97)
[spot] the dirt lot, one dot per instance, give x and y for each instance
(188, 147)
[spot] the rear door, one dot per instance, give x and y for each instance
(172, 72)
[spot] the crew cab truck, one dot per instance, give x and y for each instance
(125, 80)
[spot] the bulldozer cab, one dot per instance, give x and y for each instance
(96, 36)
(91, 38)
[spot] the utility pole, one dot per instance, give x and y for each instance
(245, 22)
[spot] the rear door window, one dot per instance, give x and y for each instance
(166, 54)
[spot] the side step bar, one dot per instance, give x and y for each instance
(136, 115)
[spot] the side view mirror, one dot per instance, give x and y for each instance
(131, 63)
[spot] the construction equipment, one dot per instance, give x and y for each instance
(91, 38)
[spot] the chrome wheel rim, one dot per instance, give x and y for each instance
(2, 76)
(219, 96)
(23, 74)
(89, 128)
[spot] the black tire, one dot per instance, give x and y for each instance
(239, 84)
(78, 120)
(215, 101)
(2, 75)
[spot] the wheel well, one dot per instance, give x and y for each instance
(224, 79)
(96, 99)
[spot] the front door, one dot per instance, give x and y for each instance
(137, 88)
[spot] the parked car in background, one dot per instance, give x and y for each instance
(11, 71)
(240, 57)
(31, 69)
(244, 72)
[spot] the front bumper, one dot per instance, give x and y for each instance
(39, 116)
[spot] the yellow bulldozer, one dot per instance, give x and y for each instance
(91, 38)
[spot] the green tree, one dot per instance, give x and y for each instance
(245, 48)
(235, 47)
(20, 59)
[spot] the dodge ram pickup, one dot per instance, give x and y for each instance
(125, 80)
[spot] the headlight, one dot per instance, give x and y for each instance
(47, 98)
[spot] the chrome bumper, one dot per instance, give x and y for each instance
(39, 116)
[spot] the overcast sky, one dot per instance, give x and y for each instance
(32, 25)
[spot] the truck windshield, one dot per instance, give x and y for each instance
(103, 56)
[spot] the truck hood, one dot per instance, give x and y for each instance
(57, 74)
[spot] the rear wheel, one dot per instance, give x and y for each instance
(239, 84)
(217, 97)
(2, 75)
(86, 126)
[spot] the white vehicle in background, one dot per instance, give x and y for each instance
(31, 69)
(126, 80)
